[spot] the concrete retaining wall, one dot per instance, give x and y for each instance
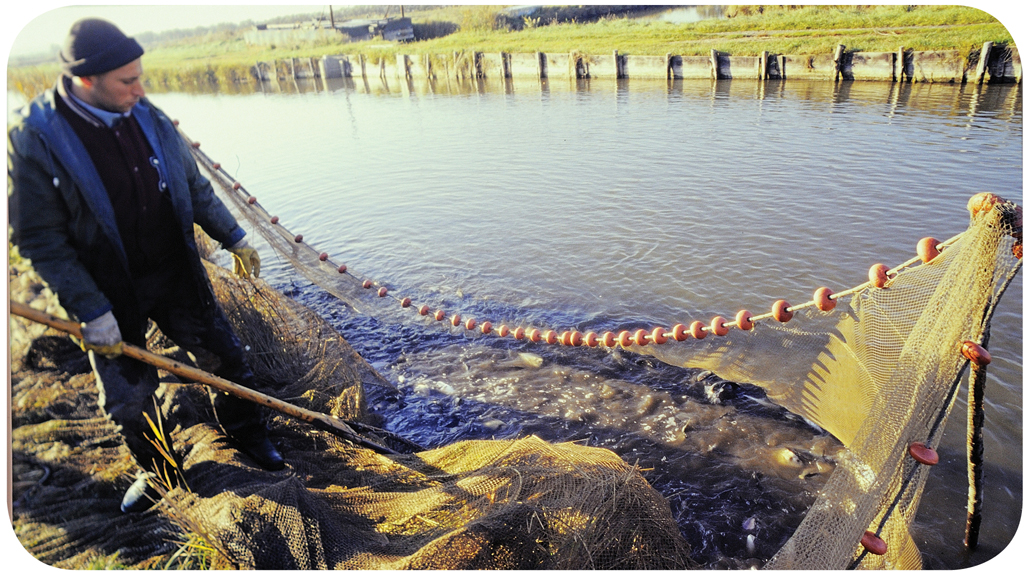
(993, 65)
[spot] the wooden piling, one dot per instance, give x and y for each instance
(983, 62)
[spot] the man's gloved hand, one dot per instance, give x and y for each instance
(245, 260)
(102, 336)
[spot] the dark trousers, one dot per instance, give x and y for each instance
(171, 299)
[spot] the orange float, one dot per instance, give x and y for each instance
(742, 319)
(640, 337)
(342, 269)
(366, 284)
(696, 330)
(658, 335)
(455, 320)
(215, 166)
(550, 337)
(439, 315)
(252, 200)
(274, 220)
(923, 454)
(405, 303)
(679, 333)
(1017, 250)
(576, 339)
(780, 310)
(624, 338)
(174, 122)
(470, 324)
(591, 340)
(487, 327)
(717, 325)
(534, 335)
(519, 333)
(196, 144)
(323, 256)
(823, 299)
(503, 331)
(565, 338)
(976, 353)
(927, 249)
(873, 544)
(382, 292)
(424, 310)
(298, 238)
(236, 186)
(608, 339)
(878, 275)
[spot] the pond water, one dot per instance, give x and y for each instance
(614, 205)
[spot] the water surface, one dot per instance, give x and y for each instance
(615, 205)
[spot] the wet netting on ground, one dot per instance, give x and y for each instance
(487, 504)
(878, 366)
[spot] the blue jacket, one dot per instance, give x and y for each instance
(63, 221)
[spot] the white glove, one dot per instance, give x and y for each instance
(102, 336)
(245, 260)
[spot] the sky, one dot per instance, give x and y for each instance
(32, 27)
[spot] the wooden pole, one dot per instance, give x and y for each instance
(320, 420)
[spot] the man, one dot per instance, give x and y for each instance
(103, 197)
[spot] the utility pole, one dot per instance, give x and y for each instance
(331, 17)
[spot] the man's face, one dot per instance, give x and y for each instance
(117, 90)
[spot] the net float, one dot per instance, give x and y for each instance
(1017, 250)
(878, 275)
(174, 122)
(196, 144)
(298, 238)
(366, 284)
(534, 335)
(780, 310)
(640, 337)
(252, 200)
(236, 186)
(487, 327)
(927, 249)
(382, 292)
(323, 256)
(519, 333)
(923, 454)
(215, 166)
(608, 339)
(823, 299)
(624, 338)
(982, 202)
(550, 337)
(455, 320)
(470, 324)
(696, 330)
(591, 340)
(717, 325)
(503, 331)
(576, 338)
(873, 544)
(679, 333)
(439, 315)
(565, 338)
(342, 269)
(274, 220)
(976, 353)
(658, 335)
(424, 310)
(742, 319)
(405, 303)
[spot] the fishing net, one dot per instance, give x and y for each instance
(877, 366)
(515, 504)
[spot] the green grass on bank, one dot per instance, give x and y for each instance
(751, 30)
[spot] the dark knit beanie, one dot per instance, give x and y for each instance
(96, 46)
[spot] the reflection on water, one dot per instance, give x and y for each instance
(622, 204)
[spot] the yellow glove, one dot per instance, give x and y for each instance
(245, 260)
(102, 336)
